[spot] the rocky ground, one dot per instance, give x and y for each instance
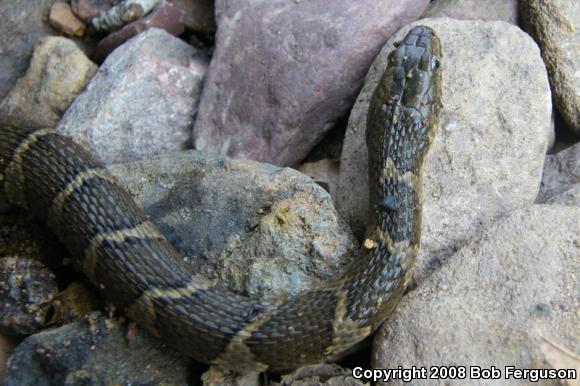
(239, 128)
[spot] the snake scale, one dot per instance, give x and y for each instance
(127, 258)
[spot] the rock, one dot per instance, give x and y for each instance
(323, 375)
(284, 71)
(22, 24)
(142, 100)
(561, 172)
(75, 302)
(570, 197)
(62, 18)
(165, 16)
(27, 289)
(58, 72)
(199, 15)
(488, 153)
(324, 172)
(6, 347)
(504, 10)
(255, 228)
(94, 352)
(87, 9)
(123, 12)
(214, 377)
(23, 235)
(556, 27)
(496, 302)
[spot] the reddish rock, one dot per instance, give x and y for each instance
(87, 9)
(165, 16)
(199, 14)
(284, 72)
(62, 18)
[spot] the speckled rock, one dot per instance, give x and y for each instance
(62, 18)
(561, 172)
(22, 24)
(58, 72)
(507, 299)
(504, 10)
(95, 352)
(255, 228)
(27, 289)
(488, 153)
(556, 26)
(284, 71)
(142, 100)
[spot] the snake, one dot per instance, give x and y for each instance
(133, 265)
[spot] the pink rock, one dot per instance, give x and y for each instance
(284, 72)
(165, 16)
(87, 9)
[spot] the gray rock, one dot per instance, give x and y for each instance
(507, 299)
(255, 228)
(488, 153)
(58, 72)
(284, 71)
(142, 100)
(27, 289)
(556, 26)
(570, 197)
(490, 10)
(22, 24)
(96, 351)
(561, 172)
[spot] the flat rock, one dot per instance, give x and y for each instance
(255, 228)
(284, 71)
(490, 10)
(488, 153)
(142, 100)
(22, 24)
(58, 72)
(27, 289)
(556, 27)
(561, 172)
(96, 351)
(507, 299)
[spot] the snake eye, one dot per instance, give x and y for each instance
(435, 63)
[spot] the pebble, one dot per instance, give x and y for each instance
(62, 18)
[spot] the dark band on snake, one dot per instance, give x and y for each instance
(134, 266)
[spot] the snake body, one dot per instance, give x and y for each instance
(129, 260)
